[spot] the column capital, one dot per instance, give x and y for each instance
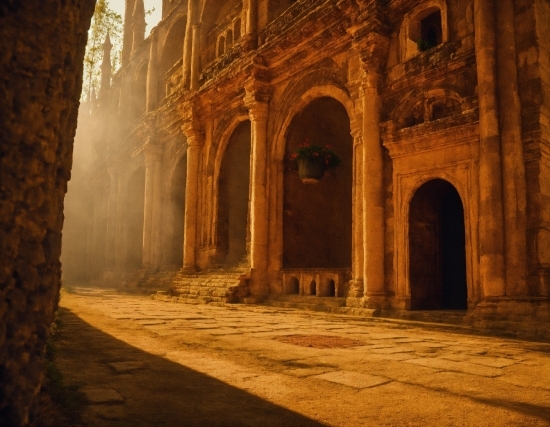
(195, 137)
(373, 48)
(256, 99)
(371, 81)
(356, 131)
(191, 125)
(151, 152)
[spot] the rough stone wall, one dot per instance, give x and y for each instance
(41, 57)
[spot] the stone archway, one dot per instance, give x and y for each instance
(134, 219)
(177, 211)
(233, 193)
(437, 248)
(317, 218)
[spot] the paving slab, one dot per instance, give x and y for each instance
(453, 366)
(124, 367)
(353, 379)
(392, 350)
(102, 395)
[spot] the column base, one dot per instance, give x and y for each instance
(376, 300)
(354, 302)
(189, 269)
(258, 284)
(511, 307)
(356, 288)
(522, 317)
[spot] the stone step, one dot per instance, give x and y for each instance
(314, 303)
(189, 299)
(434, 316)
(204, 285)
(309, 299)
(220, 286)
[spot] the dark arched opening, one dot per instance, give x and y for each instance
(134, 219)
(293, 286)
(177, 205)
(437, 248)
(139, 92)
(172, 53)
(317, 217)
(331, 288)
(233, 190)
(313, 288)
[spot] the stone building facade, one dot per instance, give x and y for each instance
(439, 110)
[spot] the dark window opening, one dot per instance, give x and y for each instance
(331, 289)
(313, 288)
(430, 31)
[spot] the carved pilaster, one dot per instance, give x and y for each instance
(195, 137)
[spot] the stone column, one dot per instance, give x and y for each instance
(188, 43)
(513, 166)
(194, 145)
(373, 193)
(154, 152)
(356, 286)
(152, 160)
(249, 39)
(252, 17)
(121, 248)
(152, 74)
(195, 57)
(491, 224)
(111, 219)
(257, 104)
(98, 242)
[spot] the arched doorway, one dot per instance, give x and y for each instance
(233, 190)
(437, 248)
(177, 207)
(317, 218)
(134, 219)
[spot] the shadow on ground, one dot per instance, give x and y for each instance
(155, 391)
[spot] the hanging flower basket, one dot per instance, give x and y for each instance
(313, 160)
(309, 171)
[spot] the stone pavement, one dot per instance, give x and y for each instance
(254, 365)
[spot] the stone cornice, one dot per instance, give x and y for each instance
(430, 136)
